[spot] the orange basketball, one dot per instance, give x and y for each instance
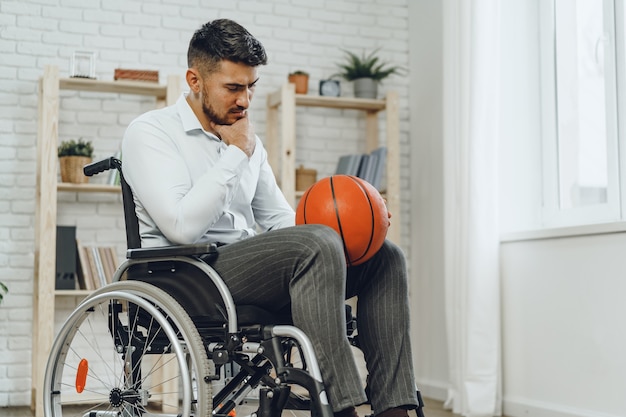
(351, 206)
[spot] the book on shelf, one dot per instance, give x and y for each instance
(369, 167)
(378, 168)
(368, 171)
(348, 165)
(97, 265)
(109, 262)
(93, 269)
(361, 172)
(82, 269)
(66, 260)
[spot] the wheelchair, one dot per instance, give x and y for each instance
(166, 339)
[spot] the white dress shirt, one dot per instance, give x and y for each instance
(190, 187)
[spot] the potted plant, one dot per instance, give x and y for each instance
(301, 80)
(367, 71)
(3, 291)
(73, 156)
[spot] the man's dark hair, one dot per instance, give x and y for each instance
(224, 39)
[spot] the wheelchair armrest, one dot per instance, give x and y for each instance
(179, 250)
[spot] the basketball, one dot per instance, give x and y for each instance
(351, 206)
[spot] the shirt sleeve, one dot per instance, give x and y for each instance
(182, 209)
(271, 209)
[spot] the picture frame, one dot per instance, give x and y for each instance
(83, 65)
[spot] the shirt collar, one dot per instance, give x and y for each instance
(188, 117)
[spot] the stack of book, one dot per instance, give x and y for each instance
(96, 267)
(369, 167)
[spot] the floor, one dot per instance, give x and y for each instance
(433, 408)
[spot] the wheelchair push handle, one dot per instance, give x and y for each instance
(101, 166)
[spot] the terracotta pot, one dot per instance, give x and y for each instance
(301, 81)
(72, 169)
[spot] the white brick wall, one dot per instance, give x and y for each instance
(298, 34)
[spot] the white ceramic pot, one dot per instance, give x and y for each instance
(365, 88)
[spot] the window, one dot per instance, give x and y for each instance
(579, 83)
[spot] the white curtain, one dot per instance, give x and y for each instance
(470, 116)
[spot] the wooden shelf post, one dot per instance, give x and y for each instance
(45, 231)
(393, 165)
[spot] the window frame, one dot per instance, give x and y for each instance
(553, 216)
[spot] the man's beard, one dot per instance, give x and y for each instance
(213, 116)
(210, 113)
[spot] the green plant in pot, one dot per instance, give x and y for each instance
(3, 290)
(367, 71)
(73, 156)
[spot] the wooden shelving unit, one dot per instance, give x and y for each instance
(72, 293)
(281, 139)
(46, 202)
(88, 188)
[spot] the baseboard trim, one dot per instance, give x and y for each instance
(433, 389)
(519, 407)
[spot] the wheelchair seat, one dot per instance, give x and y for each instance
(199, 297)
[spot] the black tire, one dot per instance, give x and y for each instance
(166, 376)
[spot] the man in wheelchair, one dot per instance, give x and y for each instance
(199, 173)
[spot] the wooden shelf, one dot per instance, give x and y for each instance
(144, 88)
(348, 103)
(88, 188)
(72, 293)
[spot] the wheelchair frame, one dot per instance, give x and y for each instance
(144, 319)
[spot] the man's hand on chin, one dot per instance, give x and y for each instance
(240, 134)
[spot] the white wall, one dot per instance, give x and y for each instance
(563, 326)
(298, 34)
(427, 285)
(563, 299)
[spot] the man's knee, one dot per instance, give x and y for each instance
(390, 250)
(390, 262)
(321, 259)
(322, 239)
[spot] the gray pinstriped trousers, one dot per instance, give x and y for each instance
(305, 266)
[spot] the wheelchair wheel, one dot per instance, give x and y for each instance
(128, 350)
